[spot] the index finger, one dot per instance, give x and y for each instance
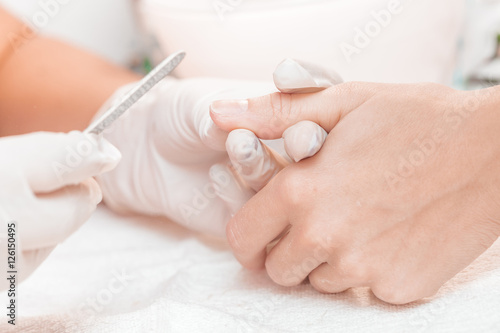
(257, 224)
(270, 115)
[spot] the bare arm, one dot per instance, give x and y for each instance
(49, 85)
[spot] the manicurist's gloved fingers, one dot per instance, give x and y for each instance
(230, 188)
(58, 214)
(303, 140)
(254, 161)
(50, 161)
(300, 77)
(211, 135)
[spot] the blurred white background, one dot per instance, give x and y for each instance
(109, 28)
(105, 27)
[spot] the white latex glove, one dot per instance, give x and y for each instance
(253, 164)
(169, 142)
(169, 145)
(47, 191)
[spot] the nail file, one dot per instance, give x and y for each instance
(148, 82)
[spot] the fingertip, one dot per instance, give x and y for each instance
(243, 148)
(297, 76)
(304, 140)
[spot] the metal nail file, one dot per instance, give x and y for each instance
(148, 82)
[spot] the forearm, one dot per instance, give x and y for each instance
(48, 85)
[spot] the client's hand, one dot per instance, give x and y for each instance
(404, 194)
(47, 192)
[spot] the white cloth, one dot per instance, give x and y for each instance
(181, 282)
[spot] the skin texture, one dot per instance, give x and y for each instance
(402, 196)
(36, 94)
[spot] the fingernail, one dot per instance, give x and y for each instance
(229, 107)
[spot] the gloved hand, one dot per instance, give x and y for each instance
(47, 192)
(169, 145)
(254, 164)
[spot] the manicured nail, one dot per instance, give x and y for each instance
(229, 107)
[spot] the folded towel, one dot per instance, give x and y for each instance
(140, 274)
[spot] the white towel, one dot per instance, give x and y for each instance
(175, 281)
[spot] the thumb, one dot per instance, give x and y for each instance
(269, 116)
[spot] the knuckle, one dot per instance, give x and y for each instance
(282, 110)
(294, 187)
(280, 104)
(311, 236)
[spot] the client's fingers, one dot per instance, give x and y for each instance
(258, 223)
(304, 140)
(291, 260)
(330, 280)
(269, 116)
(255, 162)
